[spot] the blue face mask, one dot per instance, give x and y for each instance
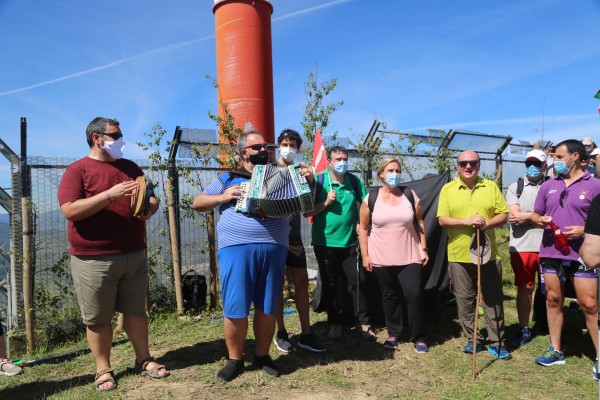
(340, 167)
(561, 167)
(392, 179)
(533, 172)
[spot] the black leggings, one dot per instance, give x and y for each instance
(401, 286)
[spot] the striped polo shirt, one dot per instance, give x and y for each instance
(236, 228)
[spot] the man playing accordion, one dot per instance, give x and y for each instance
(252, 251)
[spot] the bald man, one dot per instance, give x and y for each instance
(467, 204)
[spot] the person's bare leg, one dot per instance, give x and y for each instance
(300, 279)
(587, 293)
(524, 302)
(554, 305)
(136, 326)
(99, 338)
(3, 348)
(235, 330)
(264, 328)
(279, 313)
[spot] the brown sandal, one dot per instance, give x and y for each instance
(142, 367)
(110, 379)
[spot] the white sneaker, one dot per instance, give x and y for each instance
(367, 333)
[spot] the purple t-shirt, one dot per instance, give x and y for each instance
(576, 200)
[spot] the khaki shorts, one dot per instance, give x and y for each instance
(110, 282)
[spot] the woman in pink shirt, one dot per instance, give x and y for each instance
(396, 252)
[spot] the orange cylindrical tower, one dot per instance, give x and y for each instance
(245, 64)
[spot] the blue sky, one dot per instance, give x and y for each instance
(513, 67)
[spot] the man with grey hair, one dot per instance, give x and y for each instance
(252, 253)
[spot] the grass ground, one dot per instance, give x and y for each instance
(350, 369)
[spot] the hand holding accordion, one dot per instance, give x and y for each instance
(140, 200)
(275, 192)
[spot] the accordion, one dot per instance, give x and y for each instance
(275, 192)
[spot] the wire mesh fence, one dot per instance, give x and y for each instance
(52, 276)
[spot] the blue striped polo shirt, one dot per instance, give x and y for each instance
(236, 228)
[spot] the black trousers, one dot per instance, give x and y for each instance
(401, 287)
(337, 267)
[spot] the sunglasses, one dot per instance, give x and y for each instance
(563, 195)
(257, 146)
(114, 136)
(472, 163)
(535, 163)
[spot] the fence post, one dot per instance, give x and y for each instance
(174, 244)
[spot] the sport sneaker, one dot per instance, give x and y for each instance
(7, 368)
(282, 341)
(421, 347)
(551, 357)
(335, 332)
(391, 343)
(367, 333)
(500, 351)
(468, 348)
(311, 343)
(232, 369)
(267, 365)
(595, 369)
(522, 338)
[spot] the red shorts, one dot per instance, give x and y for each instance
(525, 266)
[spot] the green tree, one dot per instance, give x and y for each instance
(316, 111)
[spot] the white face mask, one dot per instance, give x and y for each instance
(114, 148)
(288, 153)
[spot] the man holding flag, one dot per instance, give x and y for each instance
(334, 234)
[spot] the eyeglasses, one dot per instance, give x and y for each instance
(113, 135)
(472, 163)
(535, 163)
(257, 146)
(563, 195)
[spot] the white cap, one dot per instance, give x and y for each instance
(587, 141)
(595, 152)
(537, 154)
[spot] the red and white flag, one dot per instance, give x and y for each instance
(319, 161)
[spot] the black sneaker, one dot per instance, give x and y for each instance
(282, 342)
(232, 369)
(311, 343)
(267, 365)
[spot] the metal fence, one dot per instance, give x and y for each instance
(51, 245)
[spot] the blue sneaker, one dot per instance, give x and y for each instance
(595, 369)
(421, 347)
(499, 351)
(468, 348)
(551, 357)
(522, 338)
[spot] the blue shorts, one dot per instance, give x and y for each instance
(251, 273)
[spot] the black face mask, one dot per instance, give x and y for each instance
(261, 158)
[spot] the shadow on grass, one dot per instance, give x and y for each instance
(44, 388)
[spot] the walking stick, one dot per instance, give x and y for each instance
(476, 306)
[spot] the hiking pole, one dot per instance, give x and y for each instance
(358, 326)
(474, 363)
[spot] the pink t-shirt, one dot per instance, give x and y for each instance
(393, 240)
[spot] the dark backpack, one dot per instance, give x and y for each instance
(373, 193)
(521, 185)
(193, 288)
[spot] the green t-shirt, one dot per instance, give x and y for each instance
(335, 226)
(457, 201)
